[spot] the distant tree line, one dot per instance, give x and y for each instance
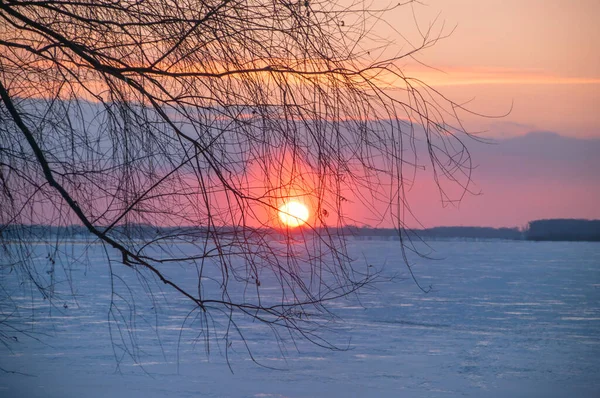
(563, 230)
(145, 231)
(538, 230)
(473, 233)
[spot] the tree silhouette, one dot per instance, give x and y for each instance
(156, 124)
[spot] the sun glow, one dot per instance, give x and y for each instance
(293, 214)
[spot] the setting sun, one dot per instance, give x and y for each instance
(293, 214)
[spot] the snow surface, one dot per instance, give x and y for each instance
(518, 319)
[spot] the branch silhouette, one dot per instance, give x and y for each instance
(158, 127)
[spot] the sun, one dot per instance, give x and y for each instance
(293, 213)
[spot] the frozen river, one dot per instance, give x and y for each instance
(516, 319)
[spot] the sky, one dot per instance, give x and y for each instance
(538, 59)
(537, 63)
(538, 56)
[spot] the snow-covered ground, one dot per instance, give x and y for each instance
(516, 319)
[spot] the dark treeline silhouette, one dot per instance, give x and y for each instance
(437, 233)
(473, 232)
(146, 231)
(563, 230)
(538, 230)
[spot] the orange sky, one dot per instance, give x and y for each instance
(539, 58)
(539, 55)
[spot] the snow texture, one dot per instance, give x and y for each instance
(504, 318)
